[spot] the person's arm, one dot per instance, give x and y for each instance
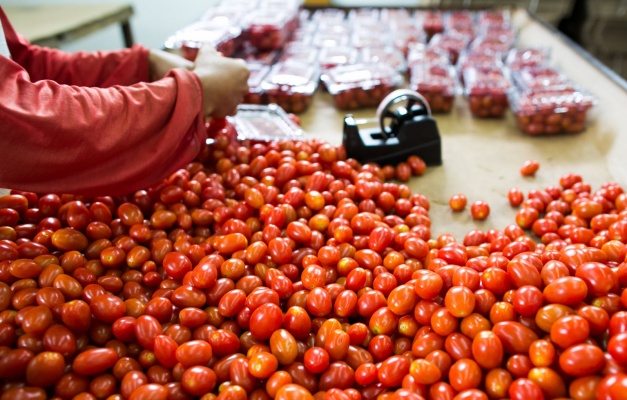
(161, 62)
(68, 139)
(98, 69)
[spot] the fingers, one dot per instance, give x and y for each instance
(232, 112)
(206, 52)
(224, 82)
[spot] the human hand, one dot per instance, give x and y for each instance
(224, 82)
(161, 62)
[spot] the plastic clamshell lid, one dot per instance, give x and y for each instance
(328, 15)
(428, 14)
(222, 18)
(454, 41)
(361, 15)
(334, 56)
(299, 52)
(462, 17)
(498, 18)
(281, 4)
(541, 78)
(419, 53)
(387, 55)
(395, 15)
(298, 76)
(304, 15)
(407, 33)
(504, 33)
(303, 35)
(331, 36)
(257, 73)
(200, 37)
(528, 57)
(460, 22)
(272, 18)
(433, 78)
(485, 80)
(252, 56)
(360, 75)
(429, 21)
(365, 38)
(492, 43)
(478, 59)
(555, 101)
(264, 122)
(202, 33)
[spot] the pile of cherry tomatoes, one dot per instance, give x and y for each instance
(286, 271)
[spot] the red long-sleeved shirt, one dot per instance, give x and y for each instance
(90, 123)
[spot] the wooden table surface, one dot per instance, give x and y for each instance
(482, 158)
(50, 25)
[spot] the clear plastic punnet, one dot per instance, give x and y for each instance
(222, 17)
(478, 59)
(268, 28)
(499, 19)
(296, 51)
(254, 56)
(528, 57)
(386, 55)
(459, 21)
(328, 16)
(187, 41)
(431, 22)
(304, 16)
(370, 35)
(331, 57)
(437, 84)
(552, 111)
(403, 35)
(486, 89)
(331, 35)
(303, 35)
(255, 93)
(225, 18)
(420, 53)
(452, 43)
(360, 85)
(492, 44)
(264, 123)
(292, 5)
(291, 85)
(506, 34)
(395, 15)
(358, 16)
(541, 78)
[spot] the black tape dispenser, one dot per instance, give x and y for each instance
(406, 128)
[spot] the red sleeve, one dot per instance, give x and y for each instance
(96, 141)
(98, 69)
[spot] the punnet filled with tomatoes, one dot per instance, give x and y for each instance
(283, 270)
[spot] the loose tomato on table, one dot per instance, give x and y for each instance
(479, 210)
(284, 269)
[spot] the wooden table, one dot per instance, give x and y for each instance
(51, 25)
(482, 158)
